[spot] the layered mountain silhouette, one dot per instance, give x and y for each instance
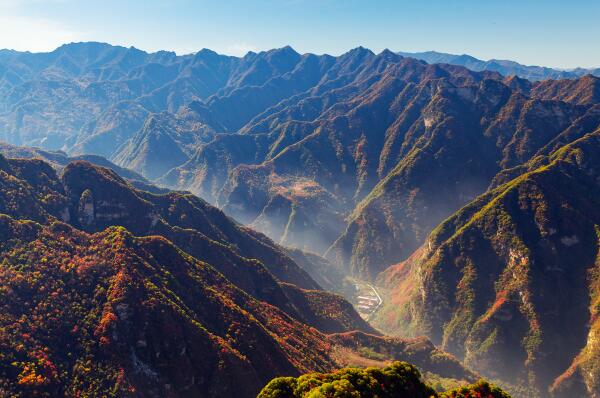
(464, 190)
(365, 171)
(505, 67)
(357, 157)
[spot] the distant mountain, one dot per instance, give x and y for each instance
(305, 174)
(91, 97)
(365, 171)
(509, 282)
(504, 67)
(358, 156)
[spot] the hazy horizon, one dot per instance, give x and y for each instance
(503, 30)
(301, 52)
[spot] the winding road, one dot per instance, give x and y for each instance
(380, 300)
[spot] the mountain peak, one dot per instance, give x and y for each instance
(360, 50)
(390, 55)
(287, 48)
(284, 51)
(388, 52)
(206, 52)
(89, 46)
(356, 53)
(588, 77)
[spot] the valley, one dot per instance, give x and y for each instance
(181, 221)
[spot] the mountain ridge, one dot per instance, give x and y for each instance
(486, 278)
(505, 67)
(90, 307)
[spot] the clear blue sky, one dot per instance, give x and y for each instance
(543, 32)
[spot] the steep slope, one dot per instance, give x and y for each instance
(94, 198)
(466, 140)
(583, 91)
(357, 156)
(151, 142)
(110, 312)
(90, 308)
(99, 198)
(364, 164)
(110, 129)
(337, 159)
(508, 282)
(209, 167)
(370, 163)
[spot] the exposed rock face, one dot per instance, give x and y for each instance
(183, 218)
(85, 210)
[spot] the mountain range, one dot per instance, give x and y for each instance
(505, 67)
(464, 190)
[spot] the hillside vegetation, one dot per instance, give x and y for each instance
(398, 380)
